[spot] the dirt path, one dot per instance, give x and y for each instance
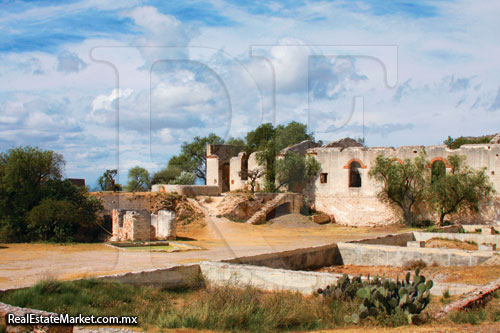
(25, 264)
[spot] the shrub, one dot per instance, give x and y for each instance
(53, 220)
(413, 264)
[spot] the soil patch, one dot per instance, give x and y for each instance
(474, 275)
(293, 220)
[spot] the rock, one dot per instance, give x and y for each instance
(321, 218)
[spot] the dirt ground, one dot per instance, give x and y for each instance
(25, 264)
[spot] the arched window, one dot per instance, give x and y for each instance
(354, 175)
(438, 170)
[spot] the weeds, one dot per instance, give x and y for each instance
(413, 264)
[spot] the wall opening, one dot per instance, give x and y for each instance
(323, 178)
(244, 167)
(354, 175)
(438, 170)
(225, 177)
(281, 210)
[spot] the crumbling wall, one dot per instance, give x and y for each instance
(164, 225)
(136, 226)
(360, 206)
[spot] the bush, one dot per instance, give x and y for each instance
(53, 220)
(413, 264)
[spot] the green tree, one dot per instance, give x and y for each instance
(166, 175)
(185, 178)
(23, 171)
(138, 179)
(268, 141)
(295, 171)
(403, 185)
(29, 177)
(462, 188)
(53, 220)
(193, 155)
(107, 181)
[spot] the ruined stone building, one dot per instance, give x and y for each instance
(343, 187)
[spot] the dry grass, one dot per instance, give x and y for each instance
(450, 244)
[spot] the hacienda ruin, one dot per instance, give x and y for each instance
(342, 194)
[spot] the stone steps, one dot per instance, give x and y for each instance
(261, 214)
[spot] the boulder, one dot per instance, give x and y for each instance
(321, 218)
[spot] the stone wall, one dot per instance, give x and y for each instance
(131, 225)
(187, 190)
(299, 259)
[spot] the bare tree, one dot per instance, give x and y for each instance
(252, 176)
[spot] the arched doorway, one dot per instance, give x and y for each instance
(354, 174)
(438, 170)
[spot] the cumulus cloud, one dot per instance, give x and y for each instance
(69, 62)
(164, 37)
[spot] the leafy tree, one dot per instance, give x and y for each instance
(107, 181)
(31, 178)
(268, 141)
(138, 179)
(462, 188)
(166, 175)
(23, 171)
(295, 171)
(403, 185)
(53, 220)
(185, 178)
(193, 155)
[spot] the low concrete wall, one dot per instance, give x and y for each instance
(394, 239)
(188, 190)
(299, 259)
(266, 278)
(223, 274)
(478, 238)
(166, 278)
(383, 255)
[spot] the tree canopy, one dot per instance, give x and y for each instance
(403, 184)
(30, 184)
(107, 181)
(268, 141)
(461, 188)
(295, 171)
(138, 179)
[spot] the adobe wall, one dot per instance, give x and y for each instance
(358, 206)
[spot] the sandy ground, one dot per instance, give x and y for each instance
(25, 264)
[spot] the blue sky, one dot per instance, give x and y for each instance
(115, 84)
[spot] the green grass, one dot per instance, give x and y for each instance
(214, 308)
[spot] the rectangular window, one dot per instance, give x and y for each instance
(323, 178)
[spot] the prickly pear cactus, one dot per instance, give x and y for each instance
(383, 296)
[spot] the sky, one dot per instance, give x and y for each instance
(116, 84)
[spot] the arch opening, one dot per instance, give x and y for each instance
(281, 210)
(438, 170)
(354, 174)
